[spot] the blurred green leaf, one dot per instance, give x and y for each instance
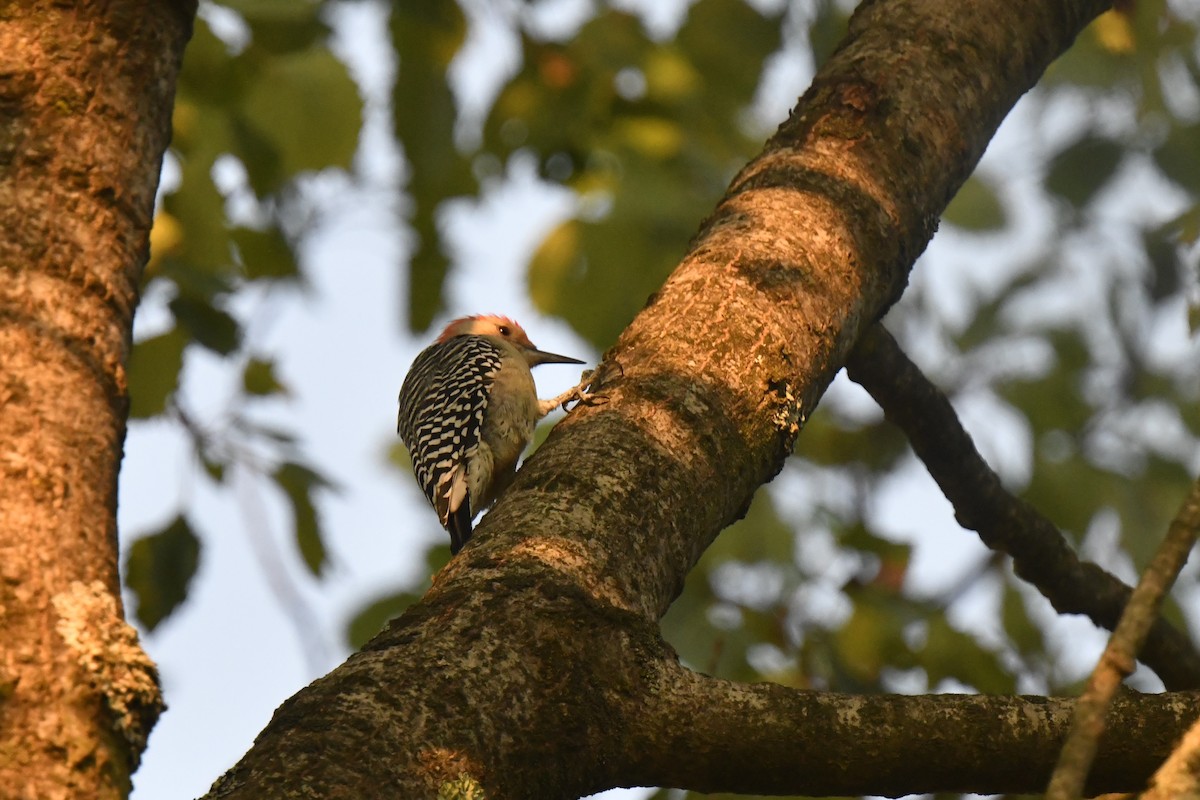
(552, 265)
(991, 324)
(301, 111)
(1096, 59)
(1027, 638)
(214, 469)
(1186, 226)
(827, 30)
(397, 455)
(828, 440)
(671, 79)
(1147, 505)
(728, 41)
(1179, 156)
(1083, 168)
(598, 275)
(203, 248)
(298, 483)
(564, 102)
(265, 254)
(893, 556)
(873, 637)
(1055, 492)
(189, 279)
(649, 136)
(976, 207)
(685, 625)
(260, 155)
(1165, 278)
(282, 26)
(427, 35)
(153, 372)
(210, 81)
(258, 378)
(1055, 400)
(370, 619)
(208, 325)
(761, 535)
(208, 74)
(159, 569)
(950, 653)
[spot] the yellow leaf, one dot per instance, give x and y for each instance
(550, 264)
(670, 76)
(165, 238)
(651, 136)
(183, 118)
(1114, 33)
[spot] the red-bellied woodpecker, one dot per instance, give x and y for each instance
(468, 408)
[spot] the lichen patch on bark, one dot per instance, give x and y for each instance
(107, 650)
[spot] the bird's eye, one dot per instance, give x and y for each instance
(504, 330)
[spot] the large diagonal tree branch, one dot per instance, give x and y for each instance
(535, 653)
(1040, 553)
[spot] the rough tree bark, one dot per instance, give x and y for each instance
(86, 90)
(533, 668)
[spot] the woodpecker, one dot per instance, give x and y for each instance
(468, 407)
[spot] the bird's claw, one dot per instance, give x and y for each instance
(579, 395)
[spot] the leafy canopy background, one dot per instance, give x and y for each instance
(1057, 306)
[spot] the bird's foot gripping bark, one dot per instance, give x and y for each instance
(576, 394)
(585, 392)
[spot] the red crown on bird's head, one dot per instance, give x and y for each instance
(485, 324)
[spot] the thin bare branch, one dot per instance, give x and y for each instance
(1077, 754)
(1040, 553)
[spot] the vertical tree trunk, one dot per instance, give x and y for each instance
(86, 90)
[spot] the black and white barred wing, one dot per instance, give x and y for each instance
(442, 405)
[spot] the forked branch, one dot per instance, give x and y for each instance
(1040, 553)
(1117, 660)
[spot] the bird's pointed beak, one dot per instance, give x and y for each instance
(542, 357)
